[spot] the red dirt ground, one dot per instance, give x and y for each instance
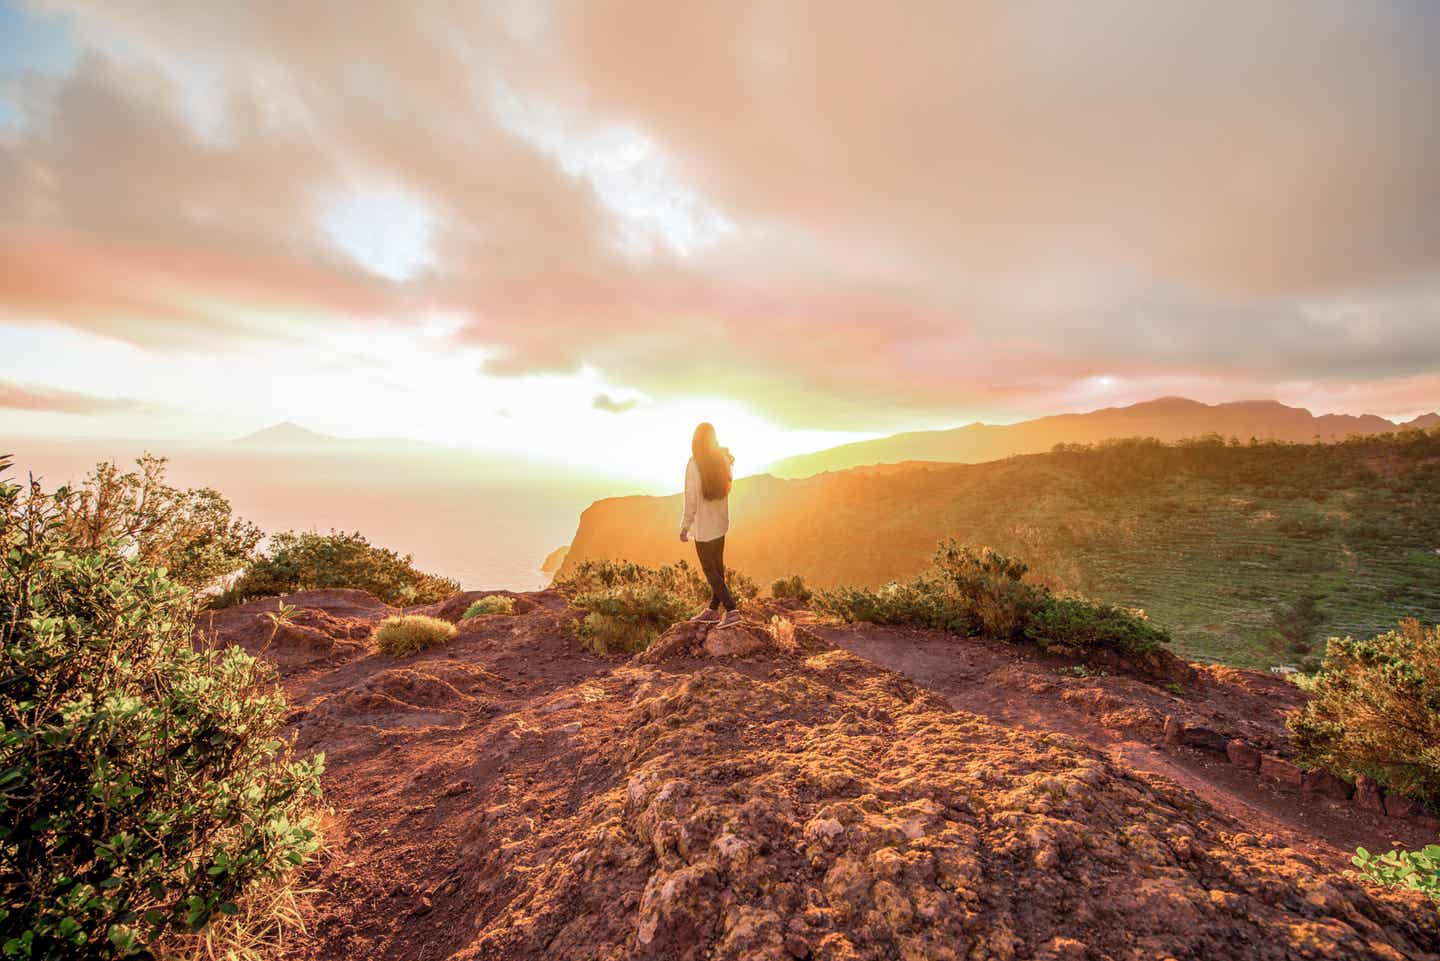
(858, 792)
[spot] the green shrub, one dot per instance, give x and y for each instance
(145, 788)
(629, 617)
(630, 605)
(407, 634)
(192, 533)
(1000, 601)
(920, 602)
(1375, 709)
(306, 561)
(1417, 870)
(978, 591)
(490, 604)
(1068, 622)
(792, 587)
(966, 590)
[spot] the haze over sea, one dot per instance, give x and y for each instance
(484, 521)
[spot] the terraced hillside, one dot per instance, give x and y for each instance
(1250, 554)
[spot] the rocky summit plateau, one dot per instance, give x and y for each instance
(792, 789)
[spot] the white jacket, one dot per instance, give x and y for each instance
(706, 519)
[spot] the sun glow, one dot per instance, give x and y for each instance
(415, 384)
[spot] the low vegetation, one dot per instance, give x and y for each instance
(970, 590)
(1374, 709)
(407, 634)
(491, 604)
(791, 588)
(192, 534)
(146, 792)
(1417, 870)
(307, 561)
(630, 605)
(1067, 623)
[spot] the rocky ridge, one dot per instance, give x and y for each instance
(774, 794)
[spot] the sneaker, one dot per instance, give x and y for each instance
(730, 619)
(708, 616)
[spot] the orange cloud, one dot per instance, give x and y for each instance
(926, 208)
(19, 397)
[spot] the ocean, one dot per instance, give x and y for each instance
(487, 522)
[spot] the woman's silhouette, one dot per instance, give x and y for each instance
(707, 511)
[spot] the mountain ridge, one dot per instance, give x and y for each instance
(287, 433)
(1168, 418)
(289, 436)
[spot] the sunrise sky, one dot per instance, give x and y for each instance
(588, 225)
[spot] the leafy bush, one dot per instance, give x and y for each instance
(629, 617)
(1417, 870)
(966, 590)
(491, 604)
(145, 789)
(630, 605)
(1375, 710)
(792, 587)
(978, 591)
(920, 602)
(1000, 601)
(1068, 622)
(191, 533)
(407, 634)
(306, 561)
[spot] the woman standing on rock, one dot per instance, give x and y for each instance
(707, 510)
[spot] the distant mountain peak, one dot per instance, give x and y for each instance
(287, 434)
(1171, 400)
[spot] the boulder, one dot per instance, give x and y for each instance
(1278, 769)
(679, 640)
(1242, 754)
(1325, 784)
(1194, 735)
(734, 641)
(694, 639)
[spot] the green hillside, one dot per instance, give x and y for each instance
(1256, 556)
(1250, 554)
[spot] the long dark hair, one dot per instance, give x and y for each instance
(714, 465)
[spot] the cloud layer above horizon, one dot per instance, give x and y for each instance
(844, 216)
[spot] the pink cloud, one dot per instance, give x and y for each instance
(938, 210)
(20, 397)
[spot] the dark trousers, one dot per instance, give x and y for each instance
(712, 562)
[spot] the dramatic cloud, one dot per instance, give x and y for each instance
(851, 215)
(19, 397)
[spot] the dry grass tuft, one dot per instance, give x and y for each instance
(409, 634)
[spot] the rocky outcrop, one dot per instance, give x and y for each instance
(780, 637)
(509, 796)
(554, 560)
(838, 812)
